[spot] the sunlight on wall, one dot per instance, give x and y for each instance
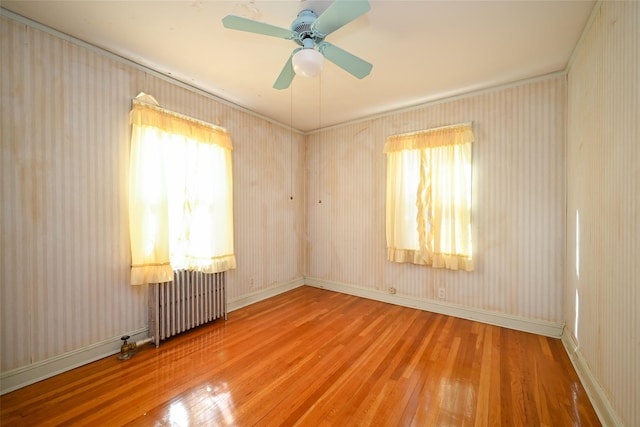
(577, 315)
(577, 244)
(575, 321)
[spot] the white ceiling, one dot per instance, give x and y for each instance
(420, 50)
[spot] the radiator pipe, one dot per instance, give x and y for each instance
(128, 349)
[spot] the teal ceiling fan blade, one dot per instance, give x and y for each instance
(287, 74)
(308, 31)
(236, 22)
(340, 12)
(345, 60)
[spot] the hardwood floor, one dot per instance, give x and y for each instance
(312, 357)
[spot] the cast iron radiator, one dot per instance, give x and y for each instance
(191, 300)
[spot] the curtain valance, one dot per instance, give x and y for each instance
(437, 137)
(144, 114)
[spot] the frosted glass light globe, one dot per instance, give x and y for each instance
(307, 62)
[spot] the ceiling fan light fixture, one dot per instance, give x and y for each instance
(307, 62)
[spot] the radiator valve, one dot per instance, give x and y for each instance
(128, 349)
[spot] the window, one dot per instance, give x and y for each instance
(429, 197)
(180, 195)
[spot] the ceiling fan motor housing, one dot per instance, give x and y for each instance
(302, 28)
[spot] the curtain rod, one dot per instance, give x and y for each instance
(174, 113)
(434, 129)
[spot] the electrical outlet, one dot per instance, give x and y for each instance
(392, 290)
(441, 293)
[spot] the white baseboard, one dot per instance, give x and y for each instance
(254, 297)
(26, 375)
(607, 415)
(539, 327)
(23, 376)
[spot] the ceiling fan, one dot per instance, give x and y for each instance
(309, 31)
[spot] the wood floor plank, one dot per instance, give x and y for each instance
(311, 357)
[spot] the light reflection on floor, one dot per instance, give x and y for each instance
(207, 405)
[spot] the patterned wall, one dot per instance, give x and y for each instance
(518, 213)
(65, 156)
(602, 293)
(64, 241)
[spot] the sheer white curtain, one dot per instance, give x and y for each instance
(180, 195)
(429, 198)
